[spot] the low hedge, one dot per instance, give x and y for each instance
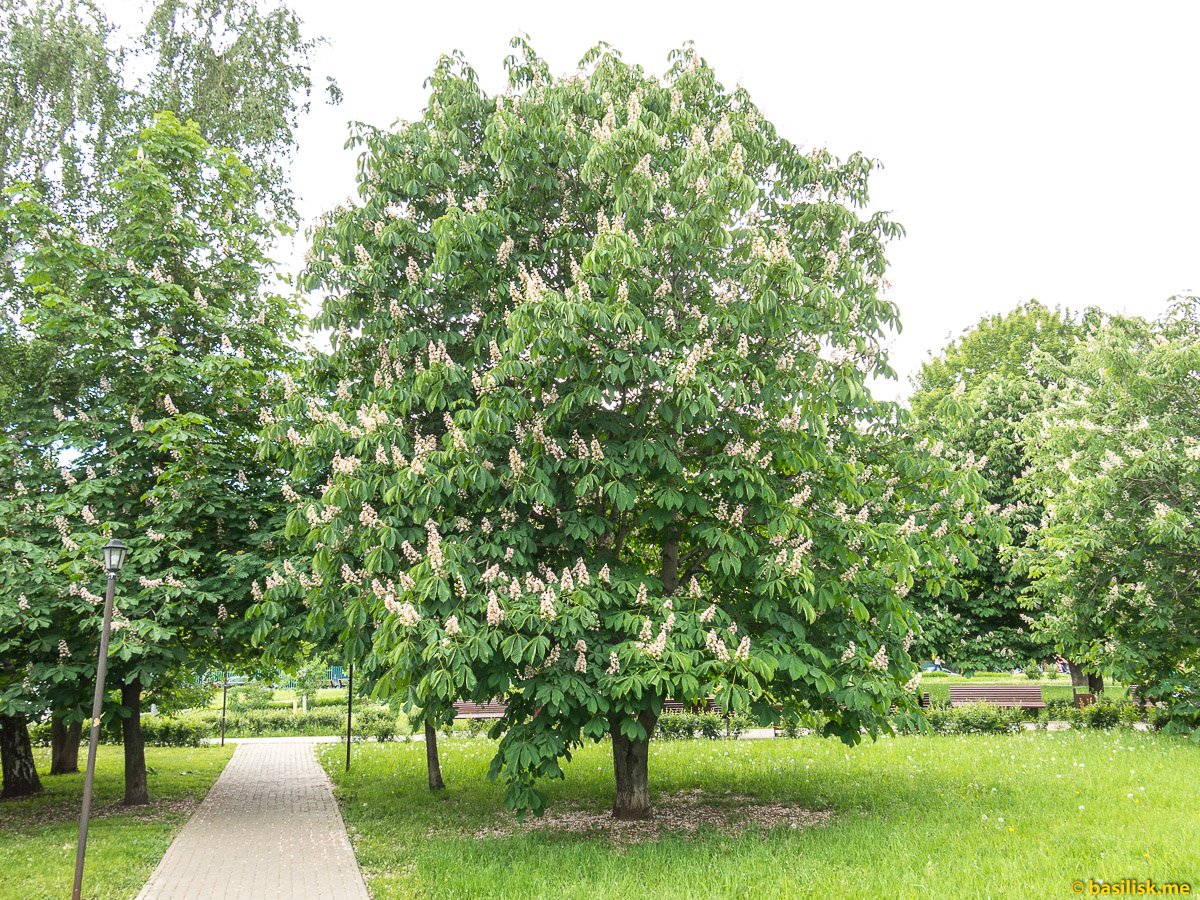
(191, 728)
(984, 718)
(975, 718)
(799, 724)
(683, 725)
(316, 722)
(1106, 712)
(157, 731)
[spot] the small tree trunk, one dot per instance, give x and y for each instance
(137, 791)
(16, 759)
(631, 771)
(1079, 678)
(64, 746)
(432, 763)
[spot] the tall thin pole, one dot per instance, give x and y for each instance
(224, 695)
(97, 706)
(349, 713)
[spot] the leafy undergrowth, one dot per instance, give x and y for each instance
(944, 816)
(38, 834)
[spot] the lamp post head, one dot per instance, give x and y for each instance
(114, 556)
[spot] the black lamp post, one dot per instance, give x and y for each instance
(114, 558)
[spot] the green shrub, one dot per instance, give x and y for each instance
(790, 727)
(1059, 707)
(1106, 712)
(384, 729)
(974, 718)
(172, 731)
(677, 725)
(250, 695)
(711, 724)
(1174, 705)
(682, 725)
(39, 733)
(476, 727)
(1033, 671)
(372, 719)
(736, 724)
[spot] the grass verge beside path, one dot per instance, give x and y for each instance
(38, 834)
(945, 816)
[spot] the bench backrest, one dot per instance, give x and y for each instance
(1025, 696)
(710, 705)
(492, 709)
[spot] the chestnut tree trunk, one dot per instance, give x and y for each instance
(64, 746)
(137, 792)
(631, 771)
(1085, 682)
(16, 759)
(432, 763)
(1079, 678)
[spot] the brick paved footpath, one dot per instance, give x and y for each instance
(269, 828)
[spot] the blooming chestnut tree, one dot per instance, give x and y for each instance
(163, 334)
(596, 422)
(1001, 368)
(1116, 560)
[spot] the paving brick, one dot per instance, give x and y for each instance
(269, 828)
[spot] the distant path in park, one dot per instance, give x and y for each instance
(268, 828)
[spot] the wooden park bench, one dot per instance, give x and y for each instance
(709, 705)
(492, 709)
(1018, 695)
(1136, 697)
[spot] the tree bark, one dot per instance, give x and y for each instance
(137, 792)
(670, 562)
(16, 759)
(432, 763)
(1085, 682)
(631, 770)
(1079, 678)
(64, 746)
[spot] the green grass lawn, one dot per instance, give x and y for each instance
(38, 834)
(947, 816)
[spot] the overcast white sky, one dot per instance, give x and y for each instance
(1042, 150)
